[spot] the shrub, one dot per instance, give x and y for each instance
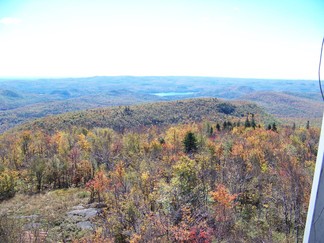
(7, 184)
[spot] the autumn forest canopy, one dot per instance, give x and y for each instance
(158, 121)
(197, 170)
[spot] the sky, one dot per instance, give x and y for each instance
(277, 39)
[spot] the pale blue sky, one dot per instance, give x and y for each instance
(228, 38)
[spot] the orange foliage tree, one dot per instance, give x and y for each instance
(98, 185)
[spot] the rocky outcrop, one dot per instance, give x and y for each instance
(82, 216)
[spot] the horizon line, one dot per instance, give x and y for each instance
(21, 78)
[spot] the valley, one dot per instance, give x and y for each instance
(25, 100)
(156, 159)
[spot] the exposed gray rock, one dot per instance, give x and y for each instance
(32, 226)
(34, 216)
(86, 213)
(85, 225)
(80, 217)
(83, 214)
(78, 207)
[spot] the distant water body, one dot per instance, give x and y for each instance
(165, 94)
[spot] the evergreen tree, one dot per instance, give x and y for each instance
(208, 128)
(190, 143)
(274, 127)
(307, 125)
(253, 124)
(211, 132)
(218, 127)
(161, 140)
(247, 122)
(225, 125)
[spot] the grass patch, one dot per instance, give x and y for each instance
(46, 210)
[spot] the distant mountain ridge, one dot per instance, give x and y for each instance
(286, 105)
(159, 113)
(25, 100)
(9, 93)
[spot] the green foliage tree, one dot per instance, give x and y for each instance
(253, 123)
(247, 122)
(224, 125)
(274, 127)
(211, 131)
(37, 170)
(190, 143)
(250, 184)
(7, 184)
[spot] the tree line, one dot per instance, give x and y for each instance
(198, 182)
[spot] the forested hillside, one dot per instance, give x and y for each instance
(159, 121)
(285, 105)
(25, 100)
(13, 117)
(211, 181)
(161, 113)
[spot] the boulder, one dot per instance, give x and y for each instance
(85, 225)
(85, 213)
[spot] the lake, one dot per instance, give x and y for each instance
(164, 94)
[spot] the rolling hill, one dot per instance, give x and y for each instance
(161, 113)
(25, 100)
(285, 105)
(69, 177)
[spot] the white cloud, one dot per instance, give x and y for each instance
(9, 20)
